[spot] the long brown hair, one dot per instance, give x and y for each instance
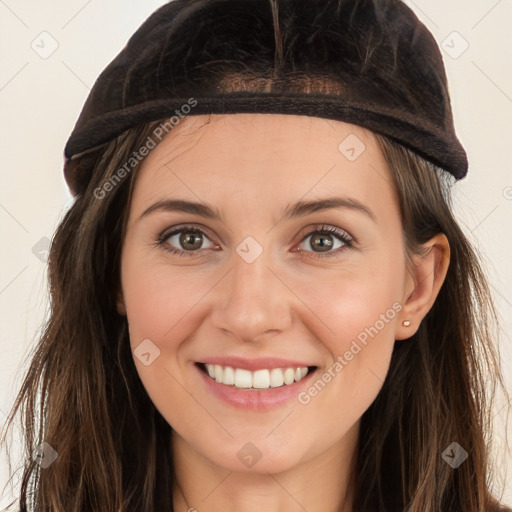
(82, 394)
(442, 382)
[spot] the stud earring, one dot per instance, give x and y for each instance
(406, 323)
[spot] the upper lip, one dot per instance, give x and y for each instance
(261, 363)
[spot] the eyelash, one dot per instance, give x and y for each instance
(324, 230)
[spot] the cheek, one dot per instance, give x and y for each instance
(345, 307)
(160, 307)
(157, 298)
(358, 314)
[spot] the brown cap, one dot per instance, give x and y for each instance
(367, 62)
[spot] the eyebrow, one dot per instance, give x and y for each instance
(299, 209)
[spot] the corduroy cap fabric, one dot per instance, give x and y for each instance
(371, 63)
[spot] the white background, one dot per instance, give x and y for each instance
(40, 99)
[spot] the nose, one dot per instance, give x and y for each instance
(253, 299)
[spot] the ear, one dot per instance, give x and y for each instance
(121, 308)
(423, 283)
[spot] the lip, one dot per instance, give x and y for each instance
(259, 400)
(262, 363)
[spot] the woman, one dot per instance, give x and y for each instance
(264, 312)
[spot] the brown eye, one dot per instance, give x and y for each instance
(184, 241)
(321, 242)
(190, 241)
(324, 239)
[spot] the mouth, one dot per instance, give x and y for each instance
(262, 379)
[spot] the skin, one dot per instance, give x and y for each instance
(284, 304)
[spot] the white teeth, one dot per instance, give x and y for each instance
(289, 376)
(243, 378)
(259, 379)
(276, 377)
(229, 376)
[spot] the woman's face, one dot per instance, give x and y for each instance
(257, 288)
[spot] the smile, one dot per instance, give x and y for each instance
(251, 380)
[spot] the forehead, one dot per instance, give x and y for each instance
(272, 156)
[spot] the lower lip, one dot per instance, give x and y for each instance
(258, 400)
